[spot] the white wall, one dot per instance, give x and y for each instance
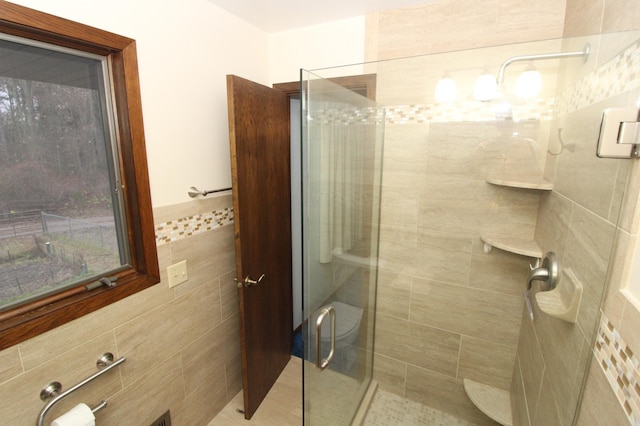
(319, 46)
(185, 49)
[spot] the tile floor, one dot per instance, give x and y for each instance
(283, 407)
(390, 409)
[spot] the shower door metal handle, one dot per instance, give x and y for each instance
(323, 363)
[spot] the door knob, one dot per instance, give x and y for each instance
(248, 282)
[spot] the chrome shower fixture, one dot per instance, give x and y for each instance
(529, 83)
(542, 56)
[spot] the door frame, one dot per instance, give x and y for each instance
(364, 85)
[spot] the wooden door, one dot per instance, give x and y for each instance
(260, 145)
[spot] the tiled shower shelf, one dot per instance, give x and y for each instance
(521, 182)
(494, 402)
(521, 246)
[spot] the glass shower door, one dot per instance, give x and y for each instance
(341, 173)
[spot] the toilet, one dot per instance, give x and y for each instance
(348, 319)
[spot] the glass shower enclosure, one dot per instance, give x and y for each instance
(341, 204)
(428, 243)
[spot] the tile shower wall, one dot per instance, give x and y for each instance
(181, 344)
(578, 220)
(449, 25)
(404, 33)
(446, 310)
(607, 397)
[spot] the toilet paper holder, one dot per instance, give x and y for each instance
(51, 392)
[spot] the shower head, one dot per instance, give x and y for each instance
(584, 53)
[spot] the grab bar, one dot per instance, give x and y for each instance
(51, 390)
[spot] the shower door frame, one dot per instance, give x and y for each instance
(364, 86)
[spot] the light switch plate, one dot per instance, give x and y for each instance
(177, 273)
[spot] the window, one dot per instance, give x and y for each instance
(74, 192)
(59, 202)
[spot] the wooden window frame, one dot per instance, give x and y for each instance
(31, 319)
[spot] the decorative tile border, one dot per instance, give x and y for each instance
(621, 367)
(192, 225)
(468, 110)
(347, 115)
(618, 75)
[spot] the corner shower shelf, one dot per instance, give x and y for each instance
(522, 246)
(521, 182)
(494, 402)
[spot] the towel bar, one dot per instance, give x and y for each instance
(194, 192)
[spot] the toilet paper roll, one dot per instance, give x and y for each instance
(80, 415)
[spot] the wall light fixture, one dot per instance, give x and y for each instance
(529, 83)
(446, 89)
(485, 87)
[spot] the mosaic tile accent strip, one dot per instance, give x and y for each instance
(618, 75)
(468, 110)
(621, 367)
(348, 116)
(192, 225)
(538, 109)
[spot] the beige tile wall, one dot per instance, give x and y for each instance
(578, 221)
(449, 25)
(623, 314)
(600, 404)
(581, 210)
(181, 344)
(446, 310)
(435, 275)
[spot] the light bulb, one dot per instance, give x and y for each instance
(529, 83)
(485, 87)
(446, 89)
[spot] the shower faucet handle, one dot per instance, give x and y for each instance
(548, 271)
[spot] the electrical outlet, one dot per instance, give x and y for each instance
(177, 273)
